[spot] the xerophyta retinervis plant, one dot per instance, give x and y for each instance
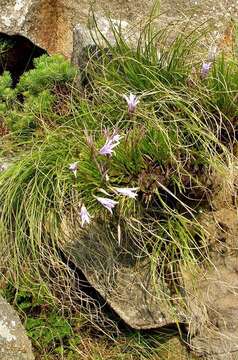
(148, 176)
(108, 203)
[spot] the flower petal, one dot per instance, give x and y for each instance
(109, 204)
(85, 217)
(130, 192)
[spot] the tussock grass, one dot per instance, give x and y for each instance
(180, 137)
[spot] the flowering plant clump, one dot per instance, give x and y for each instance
(109, 204)
(90, 165)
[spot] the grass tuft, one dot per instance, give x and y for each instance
(179, 138)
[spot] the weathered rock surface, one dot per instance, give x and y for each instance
(50, 24)
(57, 25)
(216, 333)
(126, 282)
(14, 344)
(212, 294)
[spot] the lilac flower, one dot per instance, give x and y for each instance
(130, 192)
(111, 142)
(109, 204)
(206, 66)
(116, 138)
(73, 167)
(85, 217)
(3, 167)
(132, 102)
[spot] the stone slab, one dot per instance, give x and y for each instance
(14, 343)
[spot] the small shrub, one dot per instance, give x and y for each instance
(32, 105)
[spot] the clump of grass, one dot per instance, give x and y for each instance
(168, 149)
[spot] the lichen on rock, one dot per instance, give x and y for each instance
(14, 343)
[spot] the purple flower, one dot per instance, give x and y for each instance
(73, 167)
(116, 138)
(132, 102)
(130, 192)
(3, 167)
(206, 66)
(111, 142)
(85, 217)
(109, 204)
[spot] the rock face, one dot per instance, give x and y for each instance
(128, 285)
(54, 25)
(216, 337)
(14, 344)
(50, 23)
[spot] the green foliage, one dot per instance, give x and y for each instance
(51, 332)
(5, 86)
(49, 72)
(32, 105)
(223, 86)
(7, 94)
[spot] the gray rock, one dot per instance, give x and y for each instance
(50, 24)
(84, 37)
(123, 279)
(55, 25)
(215, 333)
(217, 338)
(14, 343)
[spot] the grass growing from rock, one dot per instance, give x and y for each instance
(79, 163)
